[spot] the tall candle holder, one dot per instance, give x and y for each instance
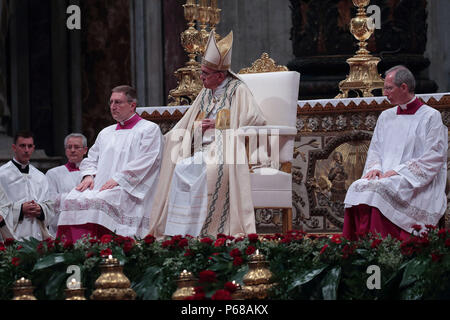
(194, 43)
(363, 76)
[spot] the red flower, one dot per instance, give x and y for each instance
(230, 287)
(183, 243)
(68, 244)
(447, 242)
(336, 239)
(207, 276)
(253, 237)
(9, 241)
(90, 254)
(206, 240)
(250, 250)
(221, 235)
(238, 261)
(188, 253)
(436, 257)
(235, 253)
(375, 243)
(323, 249)
(430, 227)
(442, 233)
(149, 239)
(416, 227)
(93, 240)
(15, 261)
(106, 252)
(106, 238)
(221, 294)
(220, 242)
(127, 246)
(2, 247)
(167, 243)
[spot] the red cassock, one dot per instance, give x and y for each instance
(362, 219)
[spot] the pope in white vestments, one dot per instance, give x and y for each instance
(198, 195)
(28, 209)
(119, 176)
(62, 179)
(405, 174)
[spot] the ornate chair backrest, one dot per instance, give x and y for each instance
(275, 89)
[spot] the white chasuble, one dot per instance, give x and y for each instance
(22, 187)
(61, 181)
(415, 146)
(131, 157)
(198, 195)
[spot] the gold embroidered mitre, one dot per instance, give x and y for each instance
(218, 54)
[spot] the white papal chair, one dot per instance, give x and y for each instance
(277, 94)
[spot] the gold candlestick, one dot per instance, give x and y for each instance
(186, 286)
(363, 76)
(112, 283)
(23, 290)
(258, 280)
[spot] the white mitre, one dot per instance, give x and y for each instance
(217, 55)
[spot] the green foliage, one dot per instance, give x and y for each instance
(304, 267)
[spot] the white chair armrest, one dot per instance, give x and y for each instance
(282, 130)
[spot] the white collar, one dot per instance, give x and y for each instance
(23, 166)
(403, 106)
(122, 122)
(221, 88)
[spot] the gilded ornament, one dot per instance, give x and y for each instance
(258, 280)
(263, 64)
(112, 283)
(186, 286)
(363, 76)
(23, 290)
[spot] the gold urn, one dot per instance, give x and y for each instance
(186, 286)
(23, 290)
(258, 280)
(112, 283)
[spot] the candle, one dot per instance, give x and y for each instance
(73, 284)
(110, 257)
(257, 252)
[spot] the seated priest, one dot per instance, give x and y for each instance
(26, 207)
(404, 178)
(62, 179)
(119, 174)
(200, 194)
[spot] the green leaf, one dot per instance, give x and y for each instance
(306, 277)
(413, 271)
(330, 283)
(49, 261)
(54, 284)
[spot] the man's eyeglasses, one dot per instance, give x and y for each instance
(69, 147)
(119, 102)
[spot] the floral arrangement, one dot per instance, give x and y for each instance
(304, 266)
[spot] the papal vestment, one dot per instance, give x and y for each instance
(226, 184)
(131, 155)
(414, 146)
(22, 187)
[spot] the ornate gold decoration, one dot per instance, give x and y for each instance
(23, 290)
(186, 286)
(74, 291)
(258, 280)
(363, 75)
(112, 283)
(264, 64)
(193, 42)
